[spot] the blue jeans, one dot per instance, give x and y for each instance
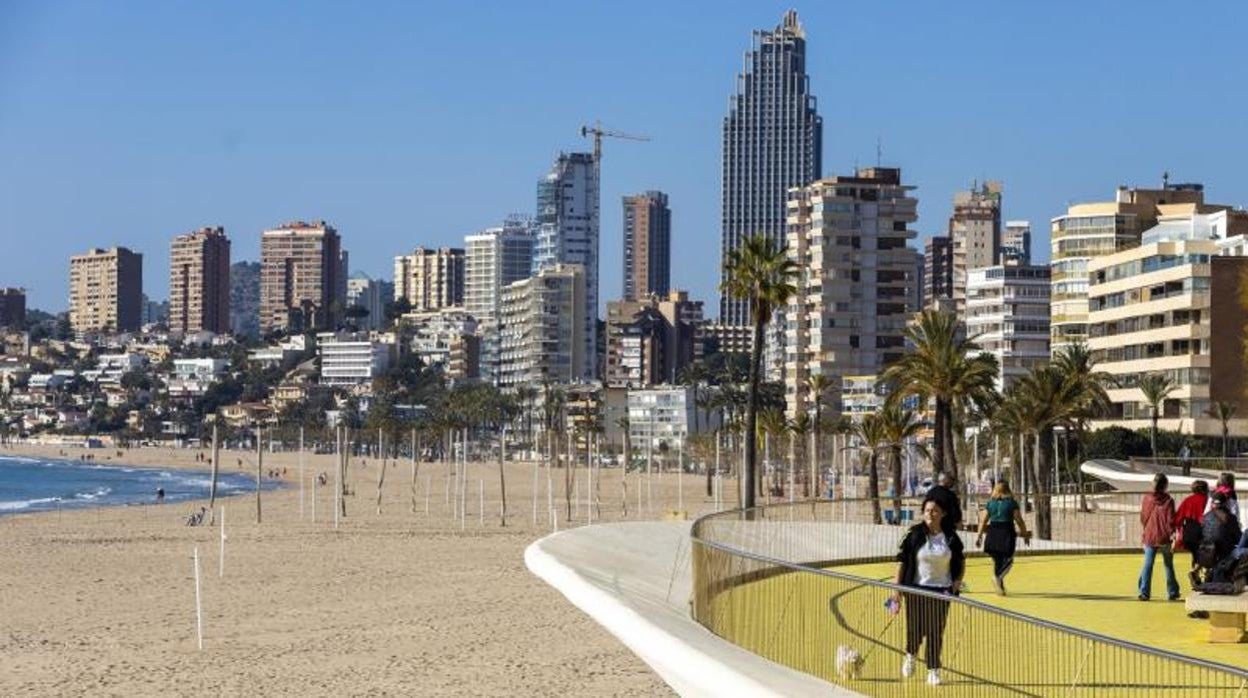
(1146, 574)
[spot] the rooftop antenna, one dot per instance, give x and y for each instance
(879, 151)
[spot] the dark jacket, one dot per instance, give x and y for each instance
(948, 500)
(1220, 533)
(908, 554)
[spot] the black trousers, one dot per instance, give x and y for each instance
(1000, 545)
(925, 620)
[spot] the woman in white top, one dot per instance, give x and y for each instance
(932, 560)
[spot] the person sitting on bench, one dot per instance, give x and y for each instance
(1220, 536)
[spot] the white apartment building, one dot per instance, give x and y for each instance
(663, 416)
(371, 295)
(353, 359)
(541, 329)
(1007, 315)
(191, 378)
(858, 282)
(495, 258)
(1176, 305)
(446, 338)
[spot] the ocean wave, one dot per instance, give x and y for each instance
(99, 492)
(27, 503)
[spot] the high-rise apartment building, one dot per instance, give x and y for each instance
(938, 273)
(647, 245)
(245, 299)
(199, 282)
(371, 296)
(651, 340)
(430, 279)
(12, 307)
(1092, 230)
(301, 277)
(541, 334)
(975, 233)
(494, 258)
(568, 233)
(105, 291)
(1175, 305)
(772, 141)
(1016, 243)
(849, 235)
(1007, 315)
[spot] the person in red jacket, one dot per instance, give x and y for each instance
(1157, 516)
(1187, 523)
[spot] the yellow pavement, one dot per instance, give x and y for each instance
(1095, 593)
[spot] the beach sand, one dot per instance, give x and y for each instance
(101, 601)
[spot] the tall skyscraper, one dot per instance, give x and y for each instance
(567, 233)
(975, 233)
(106, 291)
(199, 282)
(1016, 243)
(301, 284)
(371, 296)
(647, 245)
(1093, 230)
(245, 299)
(430, 279)
(773, 140)
(856, 292)
(494, 259)
(938, 273)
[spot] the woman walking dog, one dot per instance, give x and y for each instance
(933, 561)
(998, 519)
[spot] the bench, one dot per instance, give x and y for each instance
(1226, 614)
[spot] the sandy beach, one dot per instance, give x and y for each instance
(101, 601)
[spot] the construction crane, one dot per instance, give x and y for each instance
(599, 132)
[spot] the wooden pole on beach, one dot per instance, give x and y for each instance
(502, 478)
(259, 466)
(381, 479)
(680, 475)
(414, 449)
(337, 472)
(216, 466)
(301, 476)
(199, 613)
(221, 556)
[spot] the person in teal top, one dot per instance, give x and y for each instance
(998, 519)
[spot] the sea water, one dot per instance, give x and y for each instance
(42, 484)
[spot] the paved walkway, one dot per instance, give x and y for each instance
(634, 579)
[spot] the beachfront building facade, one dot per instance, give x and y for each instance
(1092, 230)
(199, 282)
(649, 342)
(303, 283)
(494, 259)
(447, 338)
(861, 396)
(105, 291)
(568, 234)
(938, 273)
(541, 338)
(974, 236)
(430, 279)
(1174, 306)
(191, 378)
(350, 359)
(1007, 315)
(663, 418)
(1015, 244)
(857, 284)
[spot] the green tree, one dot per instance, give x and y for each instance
(898, 427)
(761, 274)
(817, 388)
(1089, 391)
(1223, 412)
(1155, 388)
(945, 367)
(870, 434)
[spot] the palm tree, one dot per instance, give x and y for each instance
(899, 427)
(817, 387)
(1091, 399)
(870, 434)
(1156, 387)
(1223, 412)
(771, 424)
(945, 367)
(526, 395)
(1036, 404)
(760, 273)
(623, 424)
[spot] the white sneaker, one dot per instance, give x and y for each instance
(907, 666)
(933, 677)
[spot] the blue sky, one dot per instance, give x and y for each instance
(415, 123)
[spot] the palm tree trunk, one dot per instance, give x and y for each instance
(502, 476)
(895, 461)
(1044, 487)
(873, 486)
(951, 451)
(751, 417)
(1152, 438)
(938, 453)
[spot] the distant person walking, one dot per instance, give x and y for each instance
(931, 560)
(997, 521)
(1188, 520)
(944, 494)
(1157, 516)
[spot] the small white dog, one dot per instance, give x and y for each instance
(848, 662)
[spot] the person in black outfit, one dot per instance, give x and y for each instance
(944, 494)
(931, 560)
